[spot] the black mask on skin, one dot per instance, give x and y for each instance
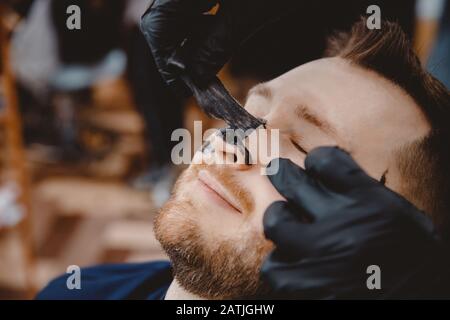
(217, 102)
(231, 138)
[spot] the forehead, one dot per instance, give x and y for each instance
(372, 115)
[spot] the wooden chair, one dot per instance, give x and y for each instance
(10, 124)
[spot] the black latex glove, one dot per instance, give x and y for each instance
(336, 222)
(183, 38)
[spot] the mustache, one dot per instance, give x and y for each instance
(229, 182)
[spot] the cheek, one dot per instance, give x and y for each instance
(264, 194)
(289, 151)
(263, 190)
(266, 145)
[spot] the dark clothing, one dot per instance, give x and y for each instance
(135, 281)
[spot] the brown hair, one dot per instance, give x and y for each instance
(425, 164)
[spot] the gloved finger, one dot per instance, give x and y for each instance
(220, 42)
(315, 277)
(296, 185)
(194, 38)
(336, 169)
(178, 59)
(302, 191)
(290, 180)
(273, 272)
(285, 229)
(296, 278)
(166, 24)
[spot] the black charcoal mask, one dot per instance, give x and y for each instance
(217, 102)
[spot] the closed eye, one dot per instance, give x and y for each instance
(298, 147)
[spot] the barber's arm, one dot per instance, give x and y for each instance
(183, 38)
(337, 222)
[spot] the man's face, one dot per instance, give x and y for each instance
(212, 226)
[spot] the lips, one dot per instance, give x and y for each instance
(214, 185)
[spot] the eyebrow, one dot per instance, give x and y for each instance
(302, 111)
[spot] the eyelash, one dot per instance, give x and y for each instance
(298, 147)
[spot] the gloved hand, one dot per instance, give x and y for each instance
(183, 38)
(337, 222)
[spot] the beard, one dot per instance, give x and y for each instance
(211, 266)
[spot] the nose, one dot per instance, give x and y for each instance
(230, 150)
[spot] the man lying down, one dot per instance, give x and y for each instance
(361, 97)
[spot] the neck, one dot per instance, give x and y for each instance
(176, 292)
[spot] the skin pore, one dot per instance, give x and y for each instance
(212, 229)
